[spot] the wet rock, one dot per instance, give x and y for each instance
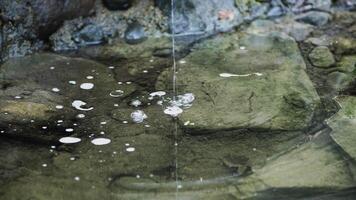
(275, 12)
(306, 167)
(135, 33)
(344, 45)
(347, 64)
(26, 24)
(117, 4)
(105, 26)
(90, 34)
(244, 102)
(322, 57)
(299, 31)
(339, 80)
(343, 125)
(314, 18)
(202, 16)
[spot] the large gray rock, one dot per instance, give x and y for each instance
(279, 97)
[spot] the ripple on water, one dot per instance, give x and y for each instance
(69, 140)
(117, 93)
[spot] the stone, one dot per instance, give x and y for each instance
(314, 18)
(339, 80)
(108, 27)
(135, 33)
(299, 31)
(268, 95)
(347, 64)
(202, 17)
(27, 24)
(343, 125)
(118, 4)
(321, 57)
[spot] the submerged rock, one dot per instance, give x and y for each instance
(343, 124)
(37, 95)
(321, 57)
(275, 100)
(314, 18)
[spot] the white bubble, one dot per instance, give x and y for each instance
(69, 140)
(69, 130)
(158, 93)
(138, 116)
(59, 107)
(101, 141)
(77, 178)
(72, 82)
(80, 116)
(173, 111)
(78, 105)
(87, 86)
(55, 89)
(130, 149)
(136, 103)
(90, 77)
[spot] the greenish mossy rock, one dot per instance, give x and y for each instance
(279, 97)
(321, 57)
(347, 64)
(344, 45)
(343, 124)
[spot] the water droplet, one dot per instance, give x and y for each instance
(101, 141)
(69, 140)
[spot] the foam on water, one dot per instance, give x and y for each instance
(77, 104)
(138, 116)
(158, 93)
(136, 103)
(100, 141)
(228, 75)
(173, 111)
(69, 140)
(87, 86)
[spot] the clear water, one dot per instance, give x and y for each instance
(255, 124)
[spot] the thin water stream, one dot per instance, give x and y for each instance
(174, 82)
